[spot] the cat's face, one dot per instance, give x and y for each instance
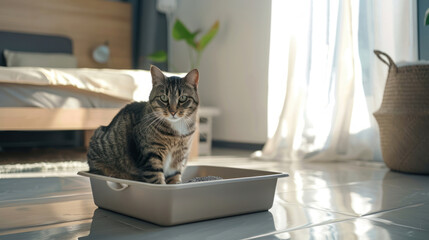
(174, 98)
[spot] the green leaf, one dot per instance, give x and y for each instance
(208, 37)
(180, 32)
(158, 56)
(427, 17)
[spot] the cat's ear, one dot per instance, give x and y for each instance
(157, 76)
(193, 77)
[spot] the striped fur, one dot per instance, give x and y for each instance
(149, 141)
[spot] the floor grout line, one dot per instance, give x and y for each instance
(393, 209)
(388, 222)
(319, 209)
(303, 227)
(351, 217)
(43, 198)
(10, 231)
(329, 186)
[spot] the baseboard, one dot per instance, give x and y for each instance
(237, 145)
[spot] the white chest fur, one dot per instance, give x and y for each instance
(167, 165)
(180, 126)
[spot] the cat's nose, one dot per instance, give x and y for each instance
(173, 113)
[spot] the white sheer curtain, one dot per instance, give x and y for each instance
(331, 82)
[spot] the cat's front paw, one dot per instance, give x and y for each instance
(161, 179)
(155, 178)
(176, 179)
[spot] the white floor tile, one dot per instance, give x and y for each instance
(334, 200)
(352, 229)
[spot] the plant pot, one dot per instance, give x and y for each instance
(403, 117)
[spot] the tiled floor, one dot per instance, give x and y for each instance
(341, 200)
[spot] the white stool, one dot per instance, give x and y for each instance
(205, 128)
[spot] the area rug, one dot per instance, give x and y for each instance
(44, 167)
(42, 161)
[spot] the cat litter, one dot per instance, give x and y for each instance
(214, 192)
(202, 179)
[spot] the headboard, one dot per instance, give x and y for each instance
(33, 43)
(87, 23)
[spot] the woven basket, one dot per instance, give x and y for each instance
(403, 117)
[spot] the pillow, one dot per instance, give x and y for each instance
(30, 59)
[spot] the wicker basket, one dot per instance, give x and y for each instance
(403, 117)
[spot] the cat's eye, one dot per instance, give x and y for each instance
(183, 98)
(164, 98)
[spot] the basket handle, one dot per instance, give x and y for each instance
(389, 62)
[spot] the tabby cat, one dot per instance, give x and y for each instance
(149, 141)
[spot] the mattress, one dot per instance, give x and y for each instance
(19, 95)
(72, 88)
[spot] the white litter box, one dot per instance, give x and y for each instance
(240, 191)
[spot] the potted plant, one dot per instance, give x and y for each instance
(426, 19)
(196, 46)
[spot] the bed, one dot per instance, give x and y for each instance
(40, 98)
(77, 98)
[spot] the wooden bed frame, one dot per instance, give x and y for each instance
(41, 119)
(88, 23)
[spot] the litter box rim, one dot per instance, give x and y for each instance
(269, 175)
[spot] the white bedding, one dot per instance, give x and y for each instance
(130, 85)
(42, 96)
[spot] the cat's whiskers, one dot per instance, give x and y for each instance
(185, 124)
(155, 123)
(153, 119)
(185, 120)
(188, 121)
(160, 120)
(148, 117)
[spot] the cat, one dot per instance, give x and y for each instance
(150, 141)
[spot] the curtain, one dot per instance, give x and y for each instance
(333, 81)
(149, 33)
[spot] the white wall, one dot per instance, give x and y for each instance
(234, 66)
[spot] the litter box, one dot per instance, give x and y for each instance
(240, 191)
